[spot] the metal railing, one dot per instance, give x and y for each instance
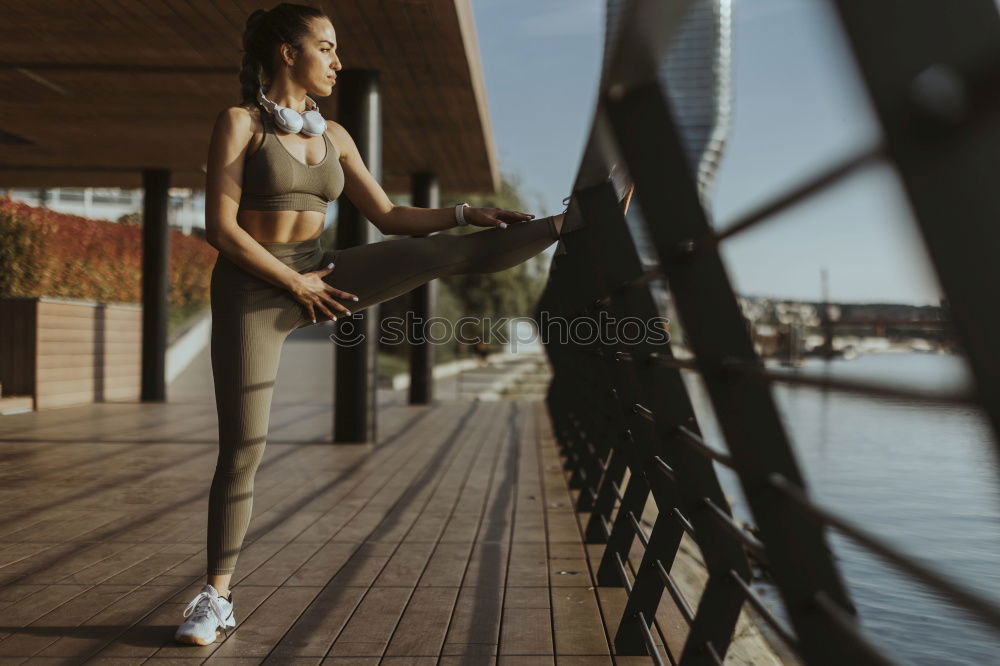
(620, 407)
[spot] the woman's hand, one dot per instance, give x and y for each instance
(311, 291)
(494, 217)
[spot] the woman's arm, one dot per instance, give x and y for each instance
(223, 187)
(368, 197)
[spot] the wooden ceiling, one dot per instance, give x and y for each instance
(94, 91)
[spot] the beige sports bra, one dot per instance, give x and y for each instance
(275, 180)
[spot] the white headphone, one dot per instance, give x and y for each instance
(310, 122)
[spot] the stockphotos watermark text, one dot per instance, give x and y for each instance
(507, 331)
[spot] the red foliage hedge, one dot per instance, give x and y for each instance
(45, 253)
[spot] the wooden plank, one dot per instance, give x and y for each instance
(368, 631)
(324, 564)
(36, 605)
(454, 525)
(12, 553)
(282, 565)
(36, 636)
(569, 573)
(562, 525)
(528, 565)
(149, 568)
(53, 311)
(577, 623)
(142, 638)
(526, 631)
(527, 597)
(10, 594)
(464, 660)
(76, 329)
(407, 563)
(421, 630)
(66, 527)
(59, 399)
(94, 422)
(475, 622)
(93, 559)
(488, 564)
(316, 629)
(96, 381)
(102, 628)
(441, 569)
(257, 634)
(112, 360)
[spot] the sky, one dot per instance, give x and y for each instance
(798, 106)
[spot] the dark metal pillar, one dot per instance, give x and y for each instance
(933, 87)
(155, 282)
(355, 398)
(423, 300)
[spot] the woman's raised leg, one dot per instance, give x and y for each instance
(381, 271)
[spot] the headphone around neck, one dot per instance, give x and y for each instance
(310, 122)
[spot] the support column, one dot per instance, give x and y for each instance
(355, 398)
(155, 276)
(425, 193)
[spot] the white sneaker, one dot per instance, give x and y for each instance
(206, 614)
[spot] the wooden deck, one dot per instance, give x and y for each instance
(452, 540)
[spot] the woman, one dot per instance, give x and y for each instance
(266, 195)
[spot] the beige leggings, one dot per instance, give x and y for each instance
(251, 319)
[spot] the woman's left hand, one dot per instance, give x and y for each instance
(494, 217)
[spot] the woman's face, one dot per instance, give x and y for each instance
(316, 63)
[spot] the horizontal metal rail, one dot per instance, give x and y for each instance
(981, 607)
(754, 545)
(794, 196)
(780, 628)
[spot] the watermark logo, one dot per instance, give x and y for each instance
(511, 332)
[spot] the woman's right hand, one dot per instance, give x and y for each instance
(314, 294)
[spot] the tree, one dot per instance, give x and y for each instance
(512, 292)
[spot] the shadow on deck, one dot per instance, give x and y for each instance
(451, 540)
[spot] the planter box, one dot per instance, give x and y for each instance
(70, 352)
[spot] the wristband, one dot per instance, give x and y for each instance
(460, 214)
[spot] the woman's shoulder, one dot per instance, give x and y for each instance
(240, 118)
(338, 135)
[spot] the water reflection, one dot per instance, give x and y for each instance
(923, 477)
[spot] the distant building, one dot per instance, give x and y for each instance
(696, 76)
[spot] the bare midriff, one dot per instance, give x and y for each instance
(281, 226)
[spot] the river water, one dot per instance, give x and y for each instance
(922, 477)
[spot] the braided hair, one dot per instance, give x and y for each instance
(265, 32)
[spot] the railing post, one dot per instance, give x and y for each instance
(355, 386)
(667, 193)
